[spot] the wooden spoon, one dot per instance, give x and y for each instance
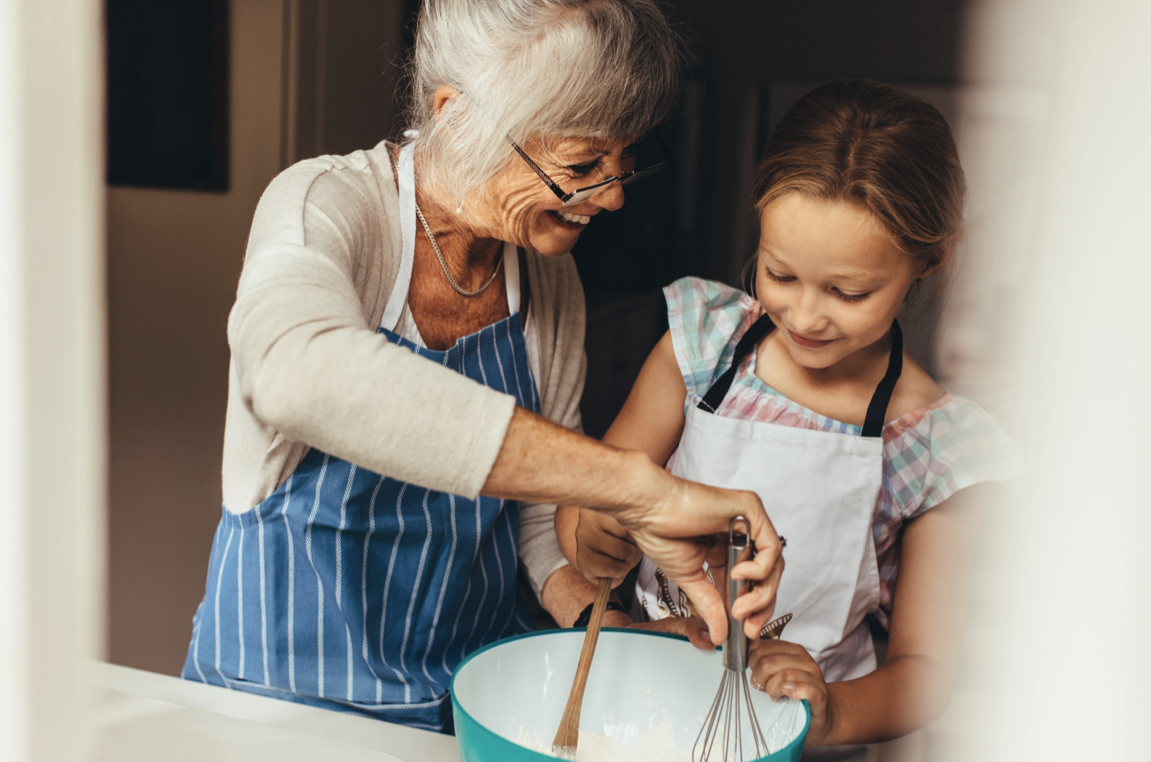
(567, 737)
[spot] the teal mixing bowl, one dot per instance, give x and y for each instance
(645, 689)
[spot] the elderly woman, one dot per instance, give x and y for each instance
(406, 370)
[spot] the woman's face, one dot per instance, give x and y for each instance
(830, 277)
(518, 207)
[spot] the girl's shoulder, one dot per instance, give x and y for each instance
(916, 389)
(940, 448)
(706, 319)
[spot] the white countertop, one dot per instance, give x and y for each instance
(143, 717)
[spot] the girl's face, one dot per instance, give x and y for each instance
(830, 277)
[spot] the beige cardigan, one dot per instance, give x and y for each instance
(309, 370)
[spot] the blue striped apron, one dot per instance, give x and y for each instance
(353, 591)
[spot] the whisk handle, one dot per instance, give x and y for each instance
(739, 549)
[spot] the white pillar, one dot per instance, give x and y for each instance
(1058, 663)
(52, 388)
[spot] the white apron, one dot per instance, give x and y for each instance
(820, 490)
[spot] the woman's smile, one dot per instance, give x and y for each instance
(569, 221)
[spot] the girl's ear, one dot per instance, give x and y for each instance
(940, 257)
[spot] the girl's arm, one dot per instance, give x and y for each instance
(652, 417)
(651, 421)
(914, 685)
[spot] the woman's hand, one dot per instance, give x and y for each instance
(692, 627)
(604, 548)
(780, 668)
(679, 532)
(674, 521)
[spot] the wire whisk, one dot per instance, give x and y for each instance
(724, 724)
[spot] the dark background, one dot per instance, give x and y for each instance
(309, 77)
(168, 93)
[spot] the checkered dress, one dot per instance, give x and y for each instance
(928, 454)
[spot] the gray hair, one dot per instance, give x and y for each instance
(599, 69)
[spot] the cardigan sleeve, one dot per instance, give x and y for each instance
(307, 360)
(558, 301)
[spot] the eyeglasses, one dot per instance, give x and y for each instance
(583, 194)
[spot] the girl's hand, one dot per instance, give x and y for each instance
(604, 548)
(780, 668)
(691, 627)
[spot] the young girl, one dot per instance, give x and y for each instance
(803, 393)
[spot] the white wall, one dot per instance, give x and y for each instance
(52, 468)
(173, 263)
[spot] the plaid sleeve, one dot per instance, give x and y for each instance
(706, 319)
(951, 447)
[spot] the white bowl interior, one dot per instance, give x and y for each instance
(639, 683)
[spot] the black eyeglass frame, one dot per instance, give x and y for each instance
(580, 195)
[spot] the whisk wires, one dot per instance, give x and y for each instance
(724, 723)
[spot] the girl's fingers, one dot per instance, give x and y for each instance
(797, 684)
(696, 632)
(776, 660)
(597, 566)
(814, 693)
(606, 524)
(611, 547)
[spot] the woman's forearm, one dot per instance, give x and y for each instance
(544, 462)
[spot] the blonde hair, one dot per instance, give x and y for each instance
(533, 69)
(865, 142)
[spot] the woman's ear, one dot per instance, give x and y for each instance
(441, 98)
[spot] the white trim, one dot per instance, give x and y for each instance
(216, 610)
(417, 580)
(240, 600)
(263, 595)
(511, 259)
(364, 588)
(291, 587)
(340, 575)
(399, 296)
(443, 590)
(319, 582)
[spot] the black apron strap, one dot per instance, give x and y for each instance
(714, 397)
(877, 410)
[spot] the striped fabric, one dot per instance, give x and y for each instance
(354, 591)
(929, 454)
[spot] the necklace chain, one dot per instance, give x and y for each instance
(444, 265)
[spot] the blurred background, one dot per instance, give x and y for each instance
(137, 136)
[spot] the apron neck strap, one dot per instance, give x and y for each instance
(406, 176)
(876, 410)
(511, 257)
(714, 397)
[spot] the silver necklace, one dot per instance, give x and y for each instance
(440, 254)
(444, 265)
